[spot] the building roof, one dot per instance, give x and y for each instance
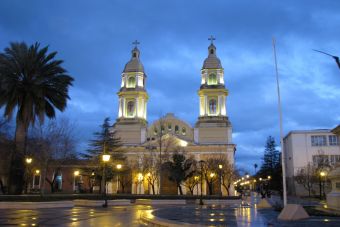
(336, 130)
(134, 65)
(308, 131)
(212, 61)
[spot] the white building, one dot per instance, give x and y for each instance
(308, 147)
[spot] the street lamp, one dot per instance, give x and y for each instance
(106, 158)
(118, 167)
(201, 197)
(322, 183)
(28, 162)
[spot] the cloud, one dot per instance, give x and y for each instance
(94, 39)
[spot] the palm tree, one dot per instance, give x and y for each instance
(33, 85)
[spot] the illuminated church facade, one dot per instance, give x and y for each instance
(211, 136)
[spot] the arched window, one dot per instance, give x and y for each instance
(131, 82)
(176, 129)
(169, 127)
(212, 79)
(155, 131)
(212, 106)
(184, 131)
(131, 109)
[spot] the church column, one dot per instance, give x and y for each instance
(137, 107)
(206, 107)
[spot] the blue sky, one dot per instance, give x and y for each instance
(94, 39)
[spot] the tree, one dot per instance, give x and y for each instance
(6, 145)
(191, 182)
(50, 146)
(180, 169)
(149, 168)
(209, 171)
(228, 174)
(105, 142)
(307, 177)
(33, 84)
(271, 165)
(163, 143)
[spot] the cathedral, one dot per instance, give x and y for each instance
(211, 136)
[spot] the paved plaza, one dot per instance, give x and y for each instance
(206, 215)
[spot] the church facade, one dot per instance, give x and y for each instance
(148, 145)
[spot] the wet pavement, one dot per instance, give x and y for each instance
(209, 215)
(77, 216)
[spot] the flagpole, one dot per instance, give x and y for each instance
(281, 130)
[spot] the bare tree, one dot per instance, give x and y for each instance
(50, 145)
(191, 182)
(307, 177)
(228, 174)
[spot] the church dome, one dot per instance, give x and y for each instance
(212, 61)
(134, 65)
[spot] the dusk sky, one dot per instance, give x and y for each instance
(94, 39)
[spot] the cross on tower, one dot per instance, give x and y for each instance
(212, 39)
(136, 43)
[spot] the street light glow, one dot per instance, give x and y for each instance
(212, 175)
(269, 177)
(106, 157)
(322, 173)
(37, 171)
(76, 173)
(140, 177)
(28, 160)
(220, 166)
(119, 166)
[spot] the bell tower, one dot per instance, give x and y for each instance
(131, 122)
(213, 125)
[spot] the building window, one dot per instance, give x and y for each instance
(212, 79)
(319, 141)
(155, 131)
(162, 129)
(131, 109)
(176, 129)
(184, 131)
(212, 106)
(333, 140)
(334, 159)
(320, 160)
(131, 82)
(169, 127)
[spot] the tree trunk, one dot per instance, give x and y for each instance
(17, 167)
(153, 189)
(180, 189)
(2, 187)
(210, 188)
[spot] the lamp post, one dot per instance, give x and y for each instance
(212, 175)
(322, 184)
(201, 197)
(28, 161)
(118, 167)
(106, 158)
(220, 166)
